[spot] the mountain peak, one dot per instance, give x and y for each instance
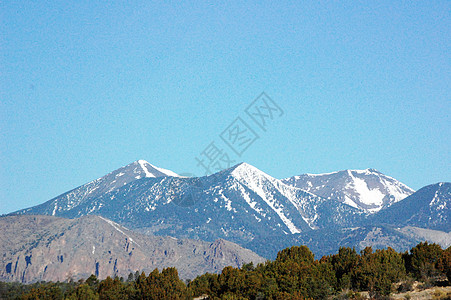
(103, 185)
(243, 166)
(151, 171)
(246, 171)
(366, 171)
(141, 161)
(367, 189)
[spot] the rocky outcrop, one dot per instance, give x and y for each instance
(34, 248)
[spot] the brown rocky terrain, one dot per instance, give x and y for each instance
(34, 248)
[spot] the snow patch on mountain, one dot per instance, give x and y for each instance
(370, 197)
(367, 189)
(143, 163)
(116, 226)
(255, 180)
(153, 171)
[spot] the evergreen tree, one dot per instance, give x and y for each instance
(378, 271)
(206, 284)
(344, 264)
(444, 263)
(48, 291)
(422, 261)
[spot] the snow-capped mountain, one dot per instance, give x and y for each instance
(367, 189)
(259, 189)
(247, 206)
(96, 188)
(429, 207)
(239, 204)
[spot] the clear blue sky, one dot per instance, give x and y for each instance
(89, 87)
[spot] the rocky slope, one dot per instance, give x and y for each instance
(49, 248)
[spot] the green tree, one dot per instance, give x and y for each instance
(321, 281)
(85, 292)
(142, 287)
(93, 282)
(344, 264)
(231, 280)
(378, 271)
(112, 289)
(299, 254)
(444, 263)
(422, 261)
(171, 283)
(206, 284)
(48, 291)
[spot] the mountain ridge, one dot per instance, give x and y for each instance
(429, 207)
(52, 248)
(366, 189)
(241, 204)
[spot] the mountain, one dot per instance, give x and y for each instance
(96, 188)
(237, 204)
(429, 207)
(368, 189)
(249, 207)
(38, 248)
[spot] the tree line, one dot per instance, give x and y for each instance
(294, 274)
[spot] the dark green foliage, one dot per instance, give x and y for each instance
(39, 290)
(301, 254)
(206, 284)
(376, 272)
(344, 263)
(423, 260)
(294, 274)
(444, 263)
(93, 282)
(114, 289)
(231, 280)
(322, 280)
(84, 292)
(12, 290)
(50, 291)
(164, 285)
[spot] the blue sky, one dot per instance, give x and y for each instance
(88, 87)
